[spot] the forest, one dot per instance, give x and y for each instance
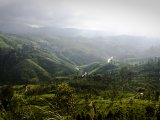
(40, 84)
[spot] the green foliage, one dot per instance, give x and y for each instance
(105, 68)
(65, 98)
(21, 60)
(150, 111)
(90, 68)
(88, 117)
(119, 91)
(27, 70)
(6, 94)
(158, 113)
(79, 57)
(109, 116)
(78, 117)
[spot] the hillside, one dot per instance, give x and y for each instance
(22, 60)
(58, 55)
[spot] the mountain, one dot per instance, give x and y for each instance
(40, 54)
(75, 42)
(22, 59)
(153, 51)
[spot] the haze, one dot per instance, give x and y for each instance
(116, 17)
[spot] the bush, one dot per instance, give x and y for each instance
(6, 94)
(150, 111)
(65, 98)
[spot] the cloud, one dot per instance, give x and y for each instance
(34, 26)
(138, 17)
(33, 12)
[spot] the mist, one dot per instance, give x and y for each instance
(136, 18)
(104, 28)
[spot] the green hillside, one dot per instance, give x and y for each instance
(105, 68)
(89, 68)
(22, 59)
(28, 70)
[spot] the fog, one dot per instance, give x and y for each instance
(104, 27)
(116, 17)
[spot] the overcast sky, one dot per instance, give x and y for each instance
(131, 17)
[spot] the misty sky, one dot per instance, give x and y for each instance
(131, 17)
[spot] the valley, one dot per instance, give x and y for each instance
(45, 74)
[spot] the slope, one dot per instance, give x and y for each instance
(21, 59)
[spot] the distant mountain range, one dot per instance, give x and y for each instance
(40, 54)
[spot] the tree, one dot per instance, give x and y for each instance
(100, 117)
(109, 116)
(158, 113)
(157, 96)
(119, 114)
(150, 112)
(65, 98)
(83, 116)
(125, 75)
(88, 117)
(6, 94)
(78, 117)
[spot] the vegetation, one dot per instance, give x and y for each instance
(38, 84)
